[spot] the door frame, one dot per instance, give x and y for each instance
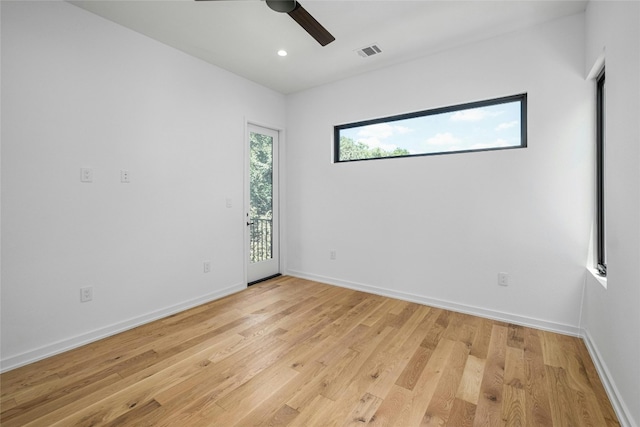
(247, 195)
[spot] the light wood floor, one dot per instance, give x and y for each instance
(299, 353)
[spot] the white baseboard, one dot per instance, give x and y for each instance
(95, 335)
(448, 305)
(614, 396)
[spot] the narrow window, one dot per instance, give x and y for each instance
(601, 254)
(494, 124)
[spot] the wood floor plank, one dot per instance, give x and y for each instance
(454, 326)
(37, 408)
(274, 321)
(514, 373)
(414, 368)
(197, 394)
(469, 387)
(514, 396)
(441, 403)
(139, 393)
(562, 411)
(480, 345)
(356, 369)
(336, 366)
(290, 352)
(488, 411)
(161, 340)
(378, 365)
(272, 409)
(283, 417)
(383, 367)
(536, 391)
(133, 417)
(21, 393)
(396, 355)
(435, 333)
(597, 391)
(313, 413)
(552, 351)
(462, 413)
(428, 382)
(409, 371)
(388, 305)
(249, 362)
(363, 411)
(513, 407)
(254, 392)
(515, 336)
(468, 330)
(194, 416)
(395, 409)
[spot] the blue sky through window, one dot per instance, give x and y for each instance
(492, 126)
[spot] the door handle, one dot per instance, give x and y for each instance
(250, 223)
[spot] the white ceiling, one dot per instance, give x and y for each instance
(243, 36)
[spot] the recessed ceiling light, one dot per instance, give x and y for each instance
(282, 52)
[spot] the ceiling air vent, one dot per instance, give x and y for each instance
(369, 51)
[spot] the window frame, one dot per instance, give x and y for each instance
(601, 254)
(522, 98)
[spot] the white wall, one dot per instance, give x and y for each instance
(611, 317)
(438, 229)
(80, 91)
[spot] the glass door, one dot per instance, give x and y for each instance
(262, 215)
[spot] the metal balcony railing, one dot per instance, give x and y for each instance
(261, 242)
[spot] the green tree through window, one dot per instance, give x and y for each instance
(261, 193)
(261, 176)
(354, 150)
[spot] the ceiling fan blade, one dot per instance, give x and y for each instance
(303, 18)
(311, 26)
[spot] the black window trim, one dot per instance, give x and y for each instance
(601, 265)
(522, 98)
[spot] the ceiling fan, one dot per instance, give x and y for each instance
(299, 14)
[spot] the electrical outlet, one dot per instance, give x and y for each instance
(124, 176)
(207, 266)
(86, 294)
(86, 175)
(332, 255)
(503, 279)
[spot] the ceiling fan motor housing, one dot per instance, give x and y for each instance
(283, 6)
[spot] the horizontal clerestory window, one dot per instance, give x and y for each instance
(494, 124)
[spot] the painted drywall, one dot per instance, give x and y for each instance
(439, 229)
(611, 317)
(78, 92)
